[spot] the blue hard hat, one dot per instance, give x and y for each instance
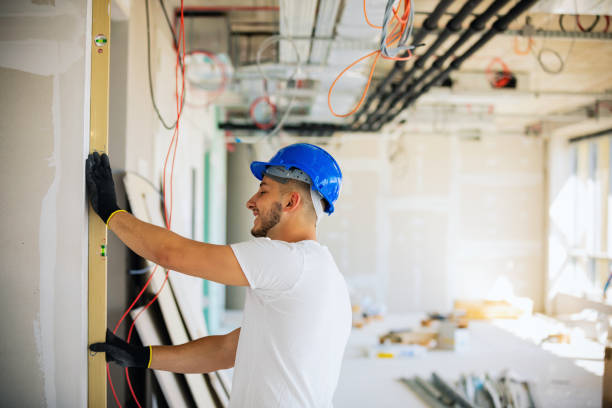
(317, 163)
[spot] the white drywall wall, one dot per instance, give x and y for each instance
(44, 106)
(426, 219)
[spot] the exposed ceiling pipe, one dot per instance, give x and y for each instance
(499, 26)
(478, 24)
(452, 27)
(430, 24)
(304, 129)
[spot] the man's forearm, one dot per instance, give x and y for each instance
(204, 355)
(147, 240)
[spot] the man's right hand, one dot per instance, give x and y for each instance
(100, 185)
(123, 353)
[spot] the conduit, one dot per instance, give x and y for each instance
(499, 26)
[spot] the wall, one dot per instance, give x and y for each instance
(423, 220)
(241, 185)
(43, 122)
(427, 219)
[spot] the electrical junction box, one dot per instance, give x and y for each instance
(452, 337)
(475, 81)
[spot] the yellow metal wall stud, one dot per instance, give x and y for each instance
(98, 134)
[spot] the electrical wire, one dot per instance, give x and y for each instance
(562, 61)
(498, 79)
(224, 78)
(262, 47)
(561, 26)
(257, 101)
(407, 19)
(589, 28)
(169, 23)
(547, 68)
(400, 33)
(527, 50)
(151, 91)
(544, 50)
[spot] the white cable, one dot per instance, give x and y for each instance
(406, 34)
(262, 47)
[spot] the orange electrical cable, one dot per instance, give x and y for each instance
(393, 38)
(526, 51)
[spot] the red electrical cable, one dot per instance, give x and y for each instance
(224, 78)
(272, 106)
(167, 212)
(494, 79)
(588, 29)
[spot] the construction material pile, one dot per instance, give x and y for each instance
(473, 391)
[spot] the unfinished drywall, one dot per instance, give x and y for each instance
(423, 220)
(44, 106)
(241, 185)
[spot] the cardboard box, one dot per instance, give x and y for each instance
(452, 337)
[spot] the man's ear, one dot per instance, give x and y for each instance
(293, 201)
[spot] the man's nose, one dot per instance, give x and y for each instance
(250, 204)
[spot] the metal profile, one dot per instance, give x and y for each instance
(98, 141)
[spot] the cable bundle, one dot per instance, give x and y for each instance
(408, 21)
(399, 34)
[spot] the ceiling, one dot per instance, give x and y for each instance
(331, 34)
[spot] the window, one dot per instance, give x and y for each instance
(591, 240)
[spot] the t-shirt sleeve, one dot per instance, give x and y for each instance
(269, 264)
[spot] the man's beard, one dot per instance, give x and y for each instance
(268, 221)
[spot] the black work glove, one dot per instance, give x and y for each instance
(122, 353)
(100, 185)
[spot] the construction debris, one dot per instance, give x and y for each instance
(473, 391)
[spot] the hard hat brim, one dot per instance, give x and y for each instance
(258, 168)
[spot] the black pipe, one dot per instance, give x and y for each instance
(429, 25)
(601, 133)
(500, 25)
(478, 24)
(452, 27)
(304, 128)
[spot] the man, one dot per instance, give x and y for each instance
(297, 315)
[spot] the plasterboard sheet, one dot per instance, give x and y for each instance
(182, 287)
(168, 381)
(144, 201)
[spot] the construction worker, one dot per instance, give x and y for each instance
(297, 315)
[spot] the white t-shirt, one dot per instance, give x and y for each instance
(297, 319)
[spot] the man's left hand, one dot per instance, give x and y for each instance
(100, 185)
